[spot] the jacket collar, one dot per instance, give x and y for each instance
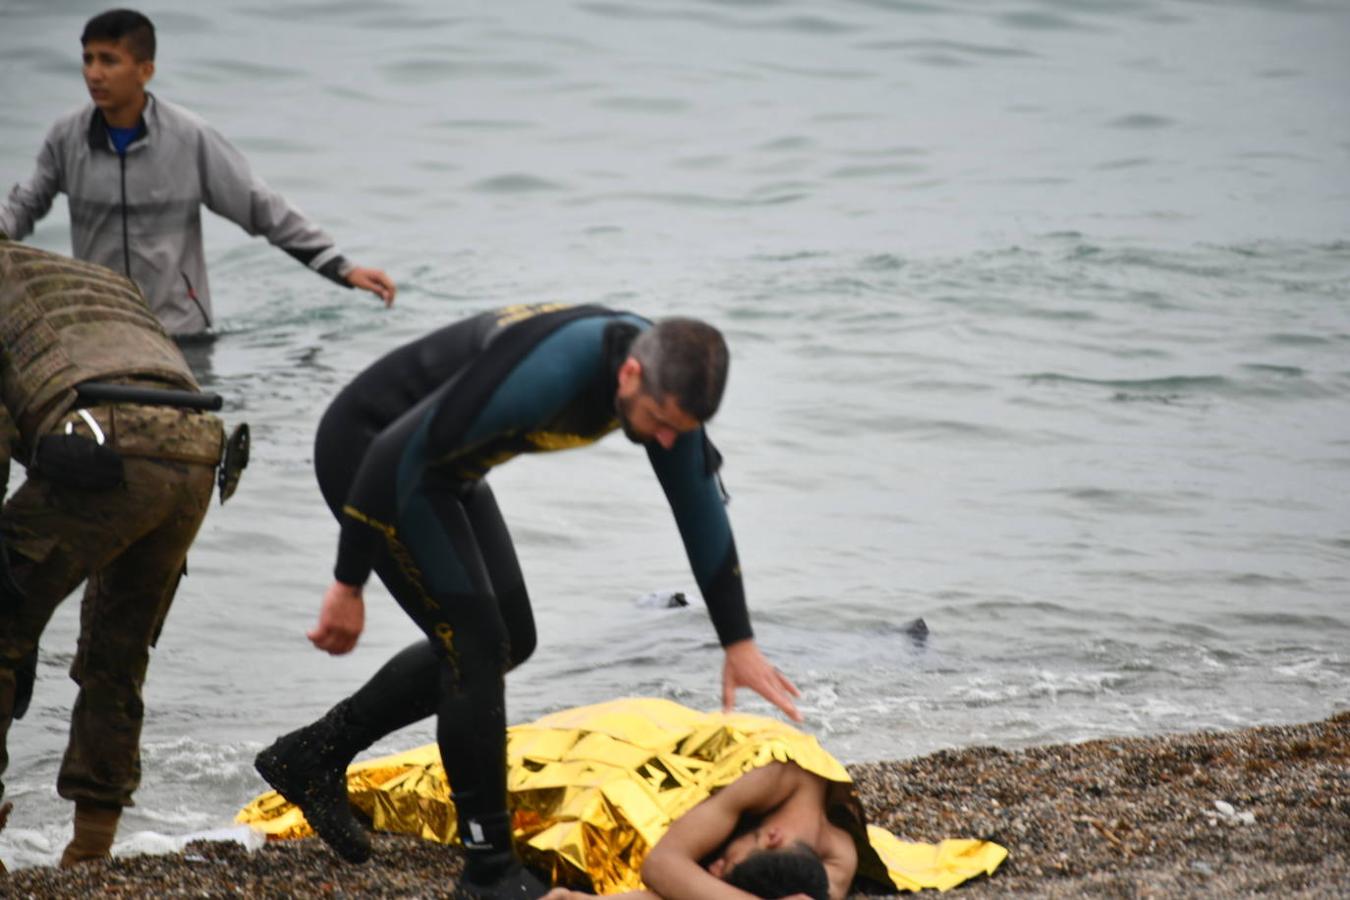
(98, 126)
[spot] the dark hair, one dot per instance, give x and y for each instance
(687, 358)
(778, 873)
(123, 25)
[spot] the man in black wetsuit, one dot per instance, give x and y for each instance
(401, 456)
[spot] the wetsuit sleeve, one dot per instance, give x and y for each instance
(29, 202)
(230, 188)
(689, 478)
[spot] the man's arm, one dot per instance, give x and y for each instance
(672, 867)
(230, 188)
(688, 475)
(29, 202)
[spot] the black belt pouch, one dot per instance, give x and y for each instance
(73, 460)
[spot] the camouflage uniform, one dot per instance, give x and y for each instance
(63, 322)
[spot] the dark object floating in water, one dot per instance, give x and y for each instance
(663, 600)
(917, 631)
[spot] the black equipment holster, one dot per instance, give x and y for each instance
(76, 461)
(233, 461)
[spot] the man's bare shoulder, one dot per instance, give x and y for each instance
(769, 786)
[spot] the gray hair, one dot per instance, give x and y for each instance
(686, 358)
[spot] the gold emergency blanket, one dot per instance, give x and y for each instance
(593, 788)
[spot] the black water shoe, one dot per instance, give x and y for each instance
(290, 767)
(516, 883)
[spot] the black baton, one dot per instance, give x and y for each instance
(92, 393)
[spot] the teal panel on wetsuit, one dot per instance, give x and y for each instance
(564, 364)
(553, 374)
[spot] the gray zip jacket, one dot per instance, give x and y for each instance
(141, 214)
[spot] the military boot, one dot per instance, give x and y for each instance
(95, 828)
(309, 768)
(5, 809)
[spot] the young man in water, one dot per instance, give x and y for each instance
(791, 848)
(137, 170)
(402, 455)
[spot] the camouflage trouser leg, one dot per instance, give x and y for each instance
(131, 542)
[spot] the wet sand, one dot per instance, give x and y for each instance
(1261, 810)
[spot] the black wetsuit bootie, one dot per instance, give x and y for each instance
(516, 883)
(309, 768)
(492, 870)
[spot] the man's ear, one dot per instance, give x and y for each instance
(774, 837)
(147, 67)
(630, 377)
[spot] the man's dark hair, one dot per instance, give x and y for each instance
(686, 358)
(123, 25)
(780, 873)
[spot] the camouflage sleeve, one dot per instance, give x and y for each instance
(9, 433)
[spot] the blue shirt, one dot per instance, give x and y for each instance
(122, 137)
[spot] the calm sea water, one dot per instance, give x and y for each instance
(1040, 314)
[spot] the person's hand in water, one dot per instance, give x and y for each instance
(745, 666)
(375, 281)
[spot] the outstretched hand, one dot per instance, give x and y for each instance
(375, 281)
(341, 619)
(745, 666)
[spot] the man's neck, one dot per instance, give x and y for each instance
(128, 116)
(803, 817)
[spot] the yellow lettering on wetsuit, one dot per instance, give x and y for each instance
(447, 636)
(444, 633)
(386, 530)
(558, 440)
(510, 315)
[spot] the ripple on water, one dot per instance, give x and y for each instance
(654, 105)
(515, 183)
(432, 68)
(787, 142)
(967, 52)
(1179, 384)
(1041, 21)
(240, 69)
(483, 125)
(1142, 122)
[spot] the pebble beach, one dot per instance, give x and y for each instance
(1262, 810)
